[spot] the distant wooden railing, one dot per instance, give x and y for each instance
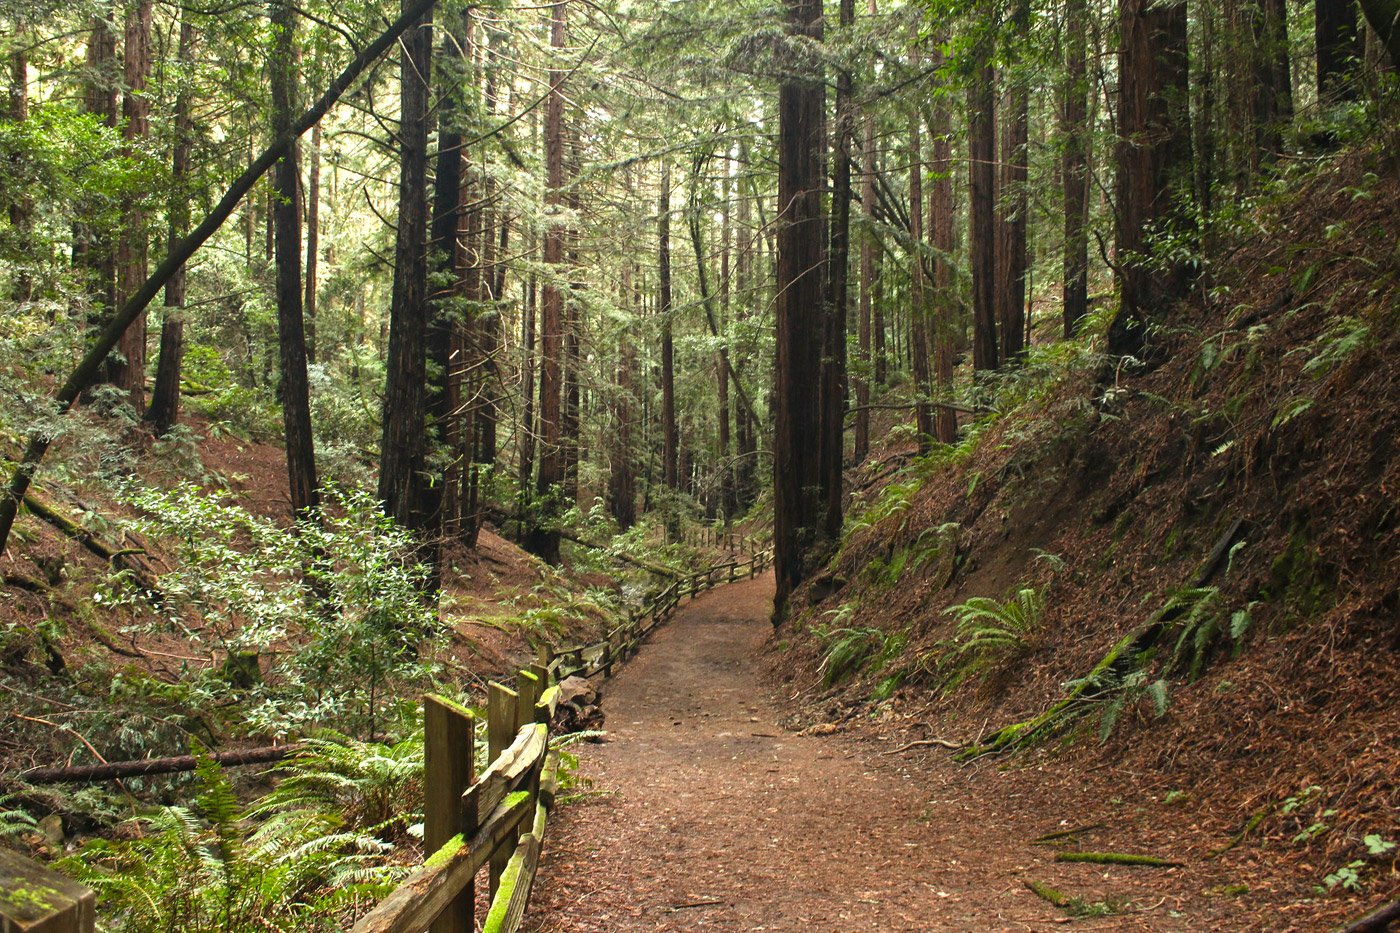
(498, 819)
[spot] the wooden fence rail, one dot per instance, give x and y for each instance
(498, 819)
(494, 820)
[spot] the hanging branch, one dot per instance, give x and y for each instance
(181, 252)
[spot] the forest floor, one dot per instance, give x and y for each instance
(702, 812)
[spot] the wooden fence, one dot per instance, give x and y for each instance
(498, 819)
(494, 820)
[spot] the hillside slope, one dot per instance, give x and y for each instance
(1206, 650)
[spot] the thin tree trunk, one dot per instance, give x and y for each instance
(798, 494)
(918, 286)
(164, 412)
(1016, 203)
(526, 467)
(837, 267)
(128, 370)
(670, 452)
(313, 239)
(100, 82)
(945, 419)
(22, 206)
(867, 276)
(293, 389)
(982, 210)
(722, 363)
(406, 486)
(1075, 166)
(544, 537)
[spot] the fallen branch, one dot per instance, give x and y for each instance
(1062, 834)
(113, 770)
(1116, 858)
(925, 743)
(1239, 837)
(1047, 893)
(117, 556)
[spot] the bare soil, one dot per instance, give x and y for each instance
(703, 813)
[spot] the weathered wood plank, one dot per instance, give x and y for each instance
(35, 899)
(428, 891)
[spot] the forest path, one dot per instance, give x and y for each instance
(708, 816)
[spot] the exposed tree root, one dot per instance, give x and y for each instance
(1239, 837)
(1377, 921)
(925, 743)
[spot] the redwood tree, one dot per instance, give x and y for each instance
(1154, 159)
(405, 484)
(799, 499)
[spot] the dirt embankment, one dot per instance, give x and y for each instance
(1270, 406)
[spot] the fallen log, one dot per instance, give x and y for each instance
(47, 512)
(1047, 893)
(113, 770)
(1377, 921)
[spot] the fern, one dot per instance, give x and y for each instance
(990, 632)
(13, 822)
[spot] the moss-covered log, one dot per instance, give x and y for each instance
(1116, 858)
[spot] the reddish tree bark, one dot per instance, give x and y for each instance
(1154, 158)
(406, 486)
(1074, 168)
(981, 210)
(799, 499)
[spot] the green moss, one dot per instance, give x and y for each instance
(1300, 580)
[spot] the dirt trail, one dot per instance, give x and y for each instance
(709, 816)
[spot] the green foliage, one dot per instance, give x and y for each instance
(340, 590)
(13, 821)
(991, 633)
(210, 866)
(847, 650)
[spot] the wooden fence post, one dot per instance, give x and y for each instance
(448, 735)
(501, 718)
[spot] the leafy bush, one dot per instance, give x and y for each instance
(333, 604)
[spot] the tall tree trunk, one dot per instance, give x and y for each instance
(918, 286)
(22, 206)
(867, 277)
(526, 458)
(838, 265)
(1384, 19)
(670, 452)
(293, 389)
(544, 537)
(622, 483)
(1338, 46)
(128, 369)
(749, 288)
(164, 412)
(799, 502)
(1016, 204)
(406, 486)
(982, 213)
(940, 221)
(101, 78)
(1074, 130)
(313, 239)
(445, 262)
(1154, 158)
(722, 363)
(572, 323)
